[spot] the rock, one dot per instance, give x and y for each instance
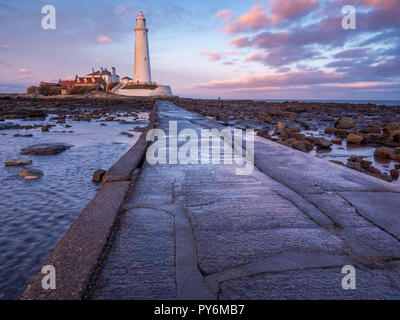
(365, 164)
(298, 136)
(337, 141)
(371, 129)
(262, 133)
(345, 123)
(46, 128)
(397, 151)
(130, 135)
(337, 162)
(397, 166)
(383, 152)
(45, 149)
(18, 162)
(280, 126)
(322, 142)
(355, 158)
(390, 127)
(103, 124)
(30, 174)
(292, 130)
(385, 177)
(354, 165)
(354, 138)
(302, 145)
(98, 175)
(373, 170)
(139, 129)
(394, 136)
(331, 130)
(17, 135)
(395, 174)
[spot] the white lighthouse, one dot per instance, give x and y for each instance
(141, 84)
(142, 72)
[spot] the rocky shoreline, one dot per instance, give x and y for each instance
(317, 127)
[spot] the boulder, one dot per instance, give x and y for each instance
(302, 145)
(390, 127)
(18, 162)
(322, 142)
(337, 141)
(345, 123)
(394, 136)
(30, 174)
(383, 152)
(124, 133)
(373, 170)
(385, 176)
(354, 165)
(337, 162)
(331, 130)
(395, 174)
(45, 149)
(371, 129)
(354, 138)
(17, 135)
(280, 126)
(46, 128)
(261, 133)
(365, 164)
(98, 175)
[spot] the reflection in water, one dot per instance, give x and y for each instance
(34, 215)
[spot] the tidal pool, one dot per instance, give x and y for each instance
(35, 214)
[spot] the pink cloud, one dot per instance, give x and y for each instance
(103, 39)
(270, 80)
(256, 56)
(23, 71)
(289, 9)
(224, 14)
(240, 42)
(255, 19)
(378, 4)
(216, 56)
(4, 47)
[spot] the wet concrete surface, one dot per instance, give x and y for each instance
(199, 231)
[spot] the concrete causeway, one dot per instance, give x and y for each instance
(283, 232)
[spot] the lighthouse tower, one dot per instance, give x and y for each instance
(142, 57)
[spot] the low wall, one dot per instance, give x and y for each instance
(161, 91)
(77, 255)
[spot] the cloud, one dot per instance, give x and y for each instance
(24, 74)
(289, 9)
(224, 14)
(216, 56)
(255, 19)
(4, 47)
(23, 71)
(103, 39)
(99, 59)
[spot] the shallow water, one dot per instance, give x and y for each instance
(34, 215)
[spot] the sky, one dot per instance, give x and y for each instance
(272, 49)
